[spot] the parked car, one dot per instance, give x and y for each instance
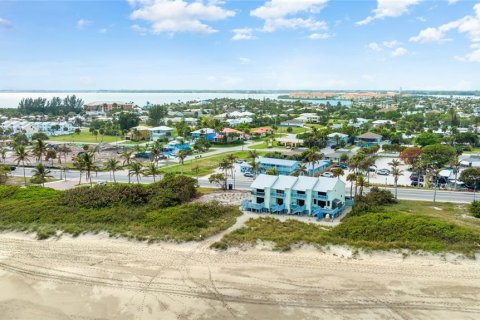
(333, 146)
(248, 174)
(415, 177)
(341, 166)
(415, 183)
(239, 161)
(327, 174)
(372, 169)
(383, 172)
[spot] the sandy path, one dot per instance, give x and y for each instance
(94, 277)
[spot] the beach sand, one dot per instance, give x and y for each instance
(97, 277)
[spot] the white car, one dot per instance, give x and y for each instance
(327, 174)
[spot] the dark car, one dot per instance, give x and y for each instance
(342, 165)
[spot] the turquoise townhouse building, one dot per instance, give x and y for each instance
(314, 196)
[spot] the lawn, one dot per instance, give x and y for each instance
(295, 130)
(134, 211)
(206, 165)
(408, 225)
(86, 137)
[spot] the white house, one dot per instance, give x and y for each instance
(161, 132)
(315, 196)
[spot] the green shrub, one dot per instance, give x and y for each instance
(106, 196)
(475, 209)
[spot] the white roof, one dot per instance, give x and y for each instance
(305, 183)
(277, 162)
(341, 135)
(325, 184)
(284, 182)
(263, 181)
(204, 131)
(162, 128)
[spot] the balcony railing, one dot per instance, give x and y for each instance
(278, 195)
(319, 197)
(299, 195)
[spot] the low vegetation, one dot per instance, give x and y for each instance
(160, 211)
(377, 224)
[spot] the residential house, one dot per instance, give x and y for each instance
(292, 123)
(261, 132)
(206, 133)
(103, 107)
(160, 133)
(315, 196)
(368, 139)
(336, 138)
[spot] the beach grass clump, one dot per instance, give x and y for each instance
(402, 225)
(160, 211)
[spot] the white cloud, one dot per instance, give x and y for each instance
(320, 36)
(374, 46)
(282, 14)
(102, 30)
(141, 30)
(243, 34)
(389, 8)
(172, 16)
(244, 60)
(452, 1)
(391, 44)
(5, 23)
(469, 25)
(82, 23)
(399, 52)
(429, 35)
(393, 47)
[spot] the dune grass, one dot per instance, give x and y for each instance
(405, 225)
(137, 212)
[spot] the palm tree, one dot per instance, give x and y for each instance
(39, 149)
(272, 171)
(366, 164)
(301, 170)
(3, 154)
(127, 159)
(113, 165)
(394, 163)
(396, 173)
(135, 169)
(255, 167)
(41, 173)
(152, 170)
(456, 168)
(196, 170)
(313, 156)
(182, 154)
(64, 150)
(253, 154)
(361, 183)
(351, 177)
(88, 164)
(156, 151)
(22, 156)
(338, 172)
(231, 157)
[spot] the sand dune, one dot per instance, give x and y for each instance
(95, 277)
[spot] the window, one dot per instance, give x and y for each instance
(324, 194)
(280, 191)
(300, 192)
(260, 200)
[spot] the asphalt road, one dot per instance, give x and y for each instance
(244, 184)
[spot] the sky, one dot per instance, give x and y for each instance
(240, 44)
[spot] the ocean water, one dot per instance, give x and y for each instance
(11, 99)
